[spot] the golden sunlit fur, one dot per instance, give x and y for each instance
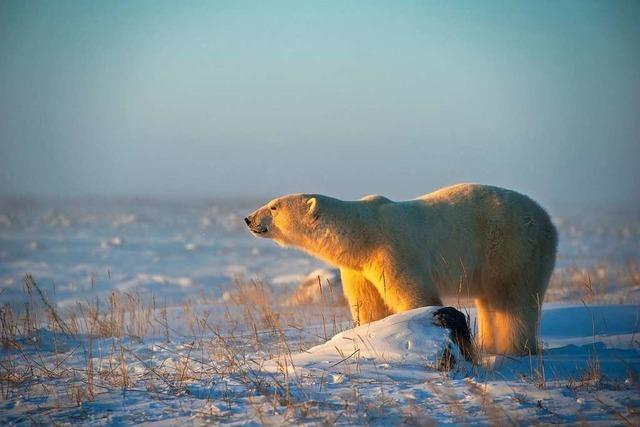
(488, 243)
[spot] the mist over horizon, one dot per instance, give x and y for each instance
(253, 100)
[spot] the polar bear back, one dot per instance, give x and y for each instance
(483, 232)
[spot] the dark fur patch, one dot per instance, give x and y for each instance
(456, 322)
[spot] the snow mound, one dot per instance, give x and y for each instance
(320, 286)
(408, 343)
(410, 347)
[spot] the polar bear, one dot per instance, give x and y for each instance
(487, 243)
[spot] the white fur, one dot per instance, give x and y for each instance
(488, 243)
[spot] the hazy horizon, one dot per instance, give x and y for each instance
(249, 99)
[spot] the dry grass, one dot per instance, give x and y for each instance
(42, 348)
(603, 283)
(208, 349)
(105, 331)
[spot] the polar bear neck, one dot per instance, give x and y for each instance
(340, 234)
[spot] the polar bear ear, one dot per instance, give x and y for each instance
(312, 203)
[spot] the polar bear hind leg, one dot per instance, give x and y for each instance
(507, 330)
(513, 290)
(364, 300)
(509, 317)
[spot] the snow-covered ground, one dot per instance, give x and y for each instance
(382, 373)
(190, 337)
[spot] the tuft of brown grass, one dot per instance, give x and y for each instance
(603, 282)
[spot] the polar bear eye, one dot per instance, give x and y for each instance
(273, 208)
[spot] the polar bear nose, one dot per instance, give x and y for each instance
(247, 220)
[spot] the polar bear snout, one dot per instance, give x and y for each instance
(249, 220)
(257, 223)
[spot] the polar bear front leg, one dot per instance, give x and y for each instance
(403, 288)
(365, 302)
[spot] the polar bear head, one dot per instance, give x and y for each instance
(289, 220)
(336, 231)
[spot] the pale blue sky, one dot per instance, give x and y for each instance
(343, 98)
